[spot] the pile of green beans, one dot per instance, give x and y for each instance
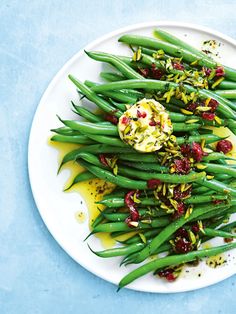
(211, 181)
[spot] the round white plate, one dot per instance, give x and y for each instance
(58, 208)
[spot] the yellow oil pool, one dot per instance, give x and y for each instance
(92, 191)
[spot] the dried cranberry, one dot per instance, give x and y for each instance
(141, 115)
(224, 146)
(168, 274)
(156, 73)
(152, 123)
(216, 202)
(220, 71)
(182, 245)
(179, 195)
(134, 215)
(192, 106)
(195, 228)
(207, 71)
(228, 240)
(153, 183)
(111, 118)
(182, 232)
(197, 152)
(125, 120)
(213, 104)
(208, 116)
(103, 160)
(181, 208)
(179, 212)
(131, 204)
(178, 66)
(182, 166)
(144, 72)
(129, 198)
(129, 222)
(185, 149)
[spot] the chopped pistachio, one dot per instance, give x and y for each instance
(217, 82)
(200, 166)
(187, 112)
(218, 120)
(192, 121)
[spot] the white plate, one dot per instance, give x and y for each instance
(57, 208)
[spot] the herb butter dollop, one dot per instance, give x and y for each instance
(145, 126)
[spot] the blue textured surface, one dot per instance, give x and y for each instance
(37, 37)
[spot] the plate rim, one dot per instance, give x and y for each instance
(52, 83)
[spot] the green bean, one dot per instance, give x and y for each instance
(126, 70)
(218, 186)
(144, 214)
(175, 51)
(119, 201)
(77, 139)
(81, 177)
(100, 217)
(107, 140)
(229, 227)
(118, 105)
(214, 168)
(226, 210)
(172, 227)
(209, 138)
(227, 85)
(171, 107)
(221, 161)
(177, 102)
(92, 128)
(164, 86)
(205, 198)
(163, 248)
(173, 260)
(147, 166)
(161, 34)
(183, 127)
(118, 180)
(120, 251)
(179, 117)
(122, 226)
(218, 233)
(101, 103)
(87, 114)
(216, 156)
(97, 148)
(147, 235)
(216, 222)
(229, 94)
(114, 194)
(65, 131)
(222, 176)
(111, 76)
(199, 189)
(117, 95)
(141, 157)
(205, 131)
(116, 216)
(169, 178)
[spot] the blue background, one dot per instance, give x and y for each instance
(37, 38)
